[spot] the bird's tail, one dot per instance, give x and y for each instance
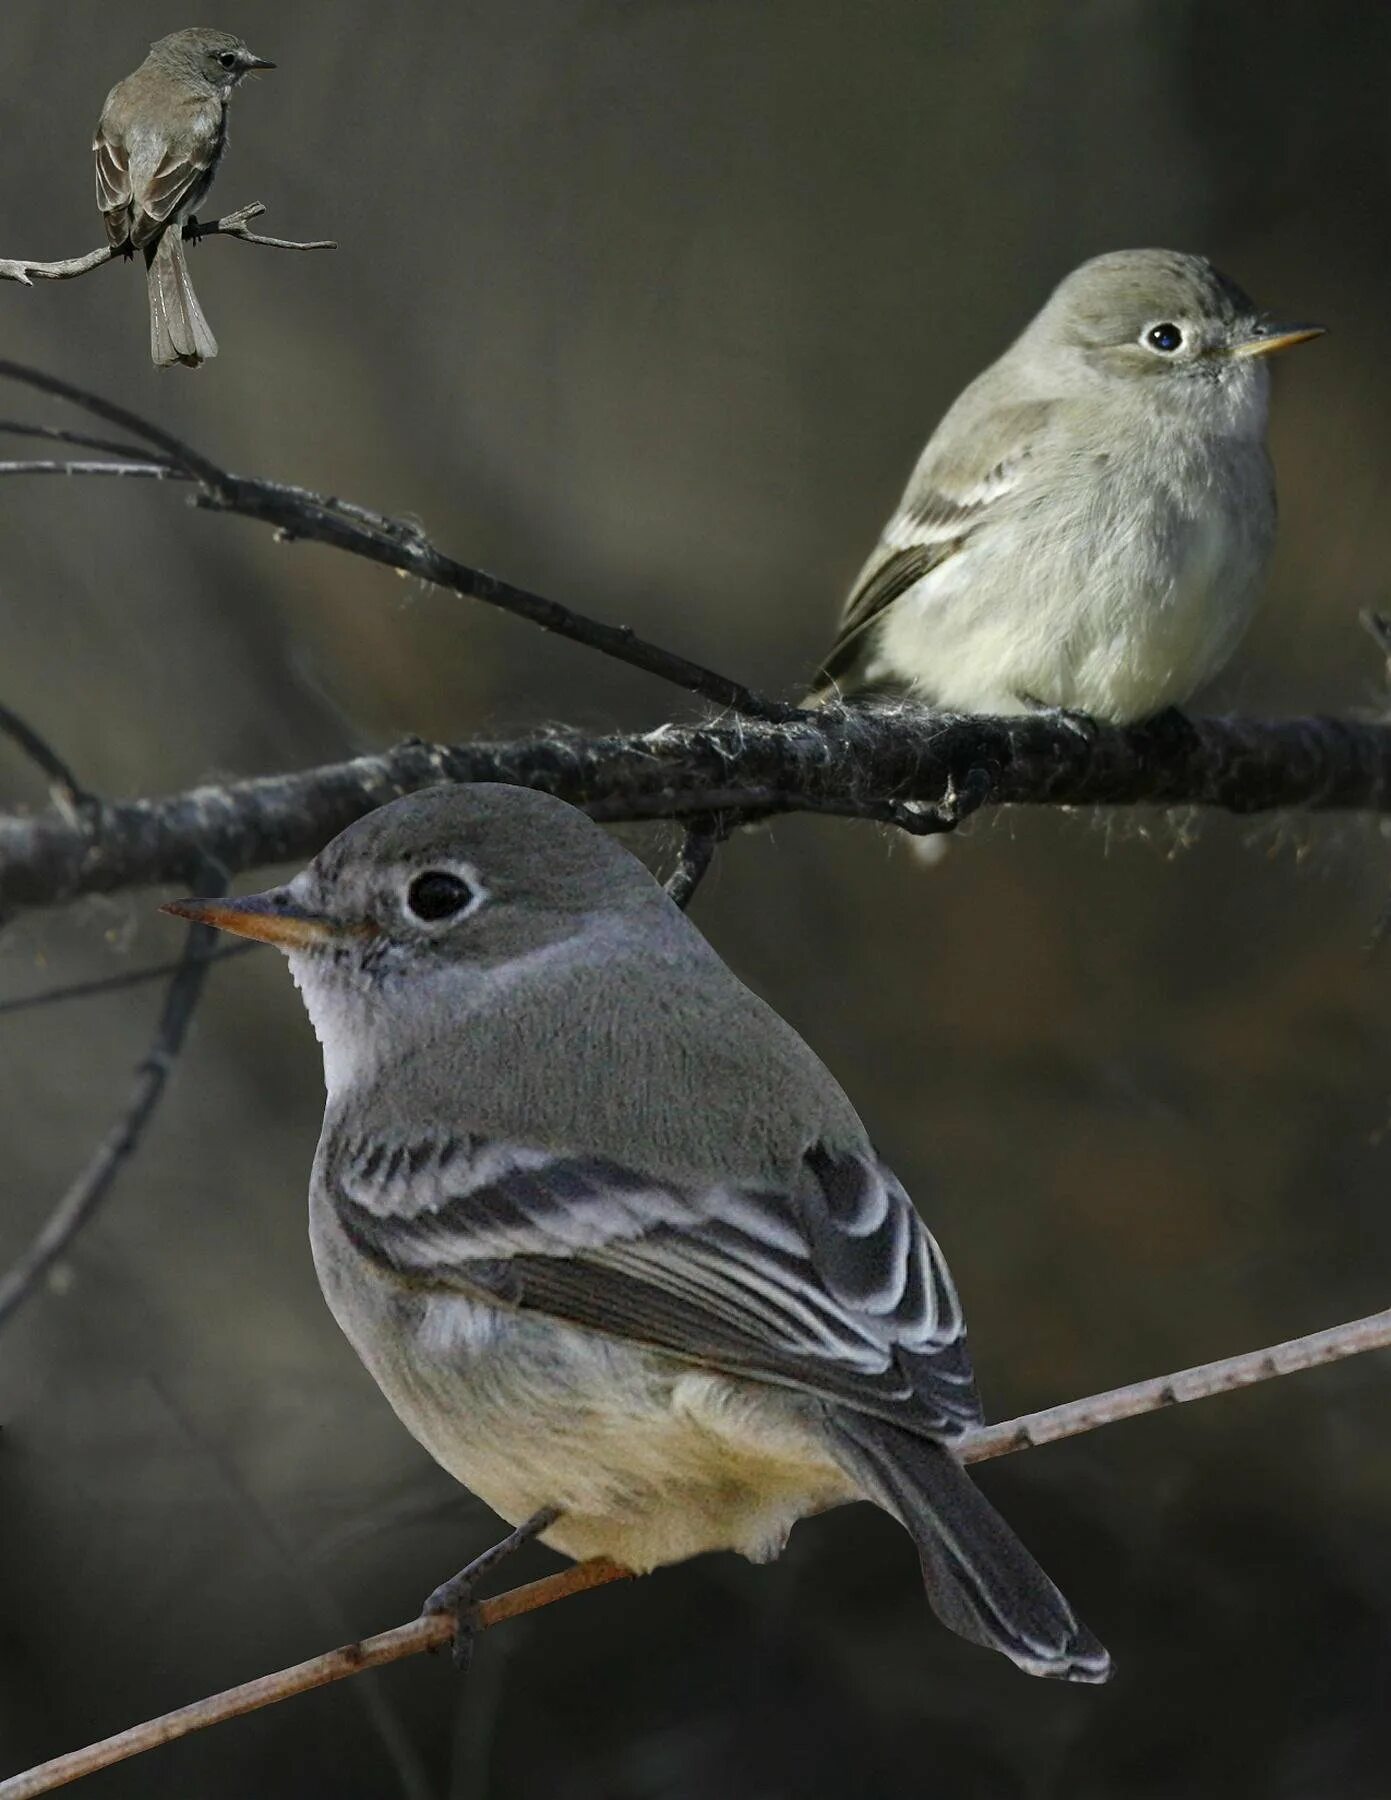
(980, 1579)
(178, 331)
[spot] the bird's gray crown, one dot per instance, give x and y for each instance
(218, 58)
(1109, 299)
(523, 855)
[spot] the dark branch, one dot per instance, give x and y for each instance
(296, 513)
(902, 765)
(114, 984)
(703, 837)
(60, 434)
(64, 786)
(233, 224)
(182, 455)
(79, 1204)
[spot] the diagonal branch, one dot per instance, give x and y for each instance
(114, 984)
(299, 514)
(432, 1631)
(79, 1204)
(234, 224)
(67, 791)
(914, 769)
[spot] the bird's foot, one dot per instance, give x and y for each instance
(191, 233)
(455, 1596)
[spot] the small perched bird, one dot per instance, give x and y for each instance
(1088, 526)
(159, 140)
(611, 1240)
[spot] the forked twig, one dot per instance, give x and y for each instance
(232, 224)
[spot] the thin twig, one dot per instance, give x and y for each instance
(431, 1632)
(324, 1611)
(111, 984)
(1198, 1383)
(233, 224)
(298, 514)
(865, 763)
(703, 837)
(80, 1202)
(66, 789)
(61, 434)
(151, 471)
(20, 269)
(184, 455)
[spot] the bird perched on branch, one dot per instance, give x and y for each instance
(609, 1236)
(1088, 527)
(159, 141)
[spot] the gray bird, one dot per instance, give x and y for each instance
(159, 141)
(1088, 527)
(609, 1237)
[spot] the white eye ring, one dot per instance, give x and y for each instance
(442, 894)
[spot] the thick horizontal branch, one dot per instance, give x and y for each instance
(433, 1631)
(903, 766)
(233, 224)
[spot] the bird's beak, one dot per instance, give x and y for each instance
(273, 917)
(1267, 340)
(258, 62)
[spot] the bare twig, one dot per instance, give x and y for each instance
(150, 471)
(703, 837)
(19, 268)
(67, 791)
(867, 763)
(82, 1199)
(324, 1611)
(1199, 1383)
(296, 513)
(433, 1631)
(233, 224)
(61, 434)
(174, 449)
(112, 984)
(430, 1632)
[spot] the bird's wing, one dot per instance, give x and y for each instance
(838, 1289)
(962, 478)
(179, 174)
(113, 184)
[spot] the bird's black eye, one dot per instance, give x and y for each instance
(228, 58)
(438, 894)
(1164, 337)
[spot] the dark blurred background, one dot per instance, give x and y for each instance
(649, 304)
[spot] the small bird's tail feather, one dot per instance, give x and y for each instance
(980, 1579)
(178, 331)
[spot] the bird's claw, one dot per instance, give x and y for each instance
(455, 1602)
